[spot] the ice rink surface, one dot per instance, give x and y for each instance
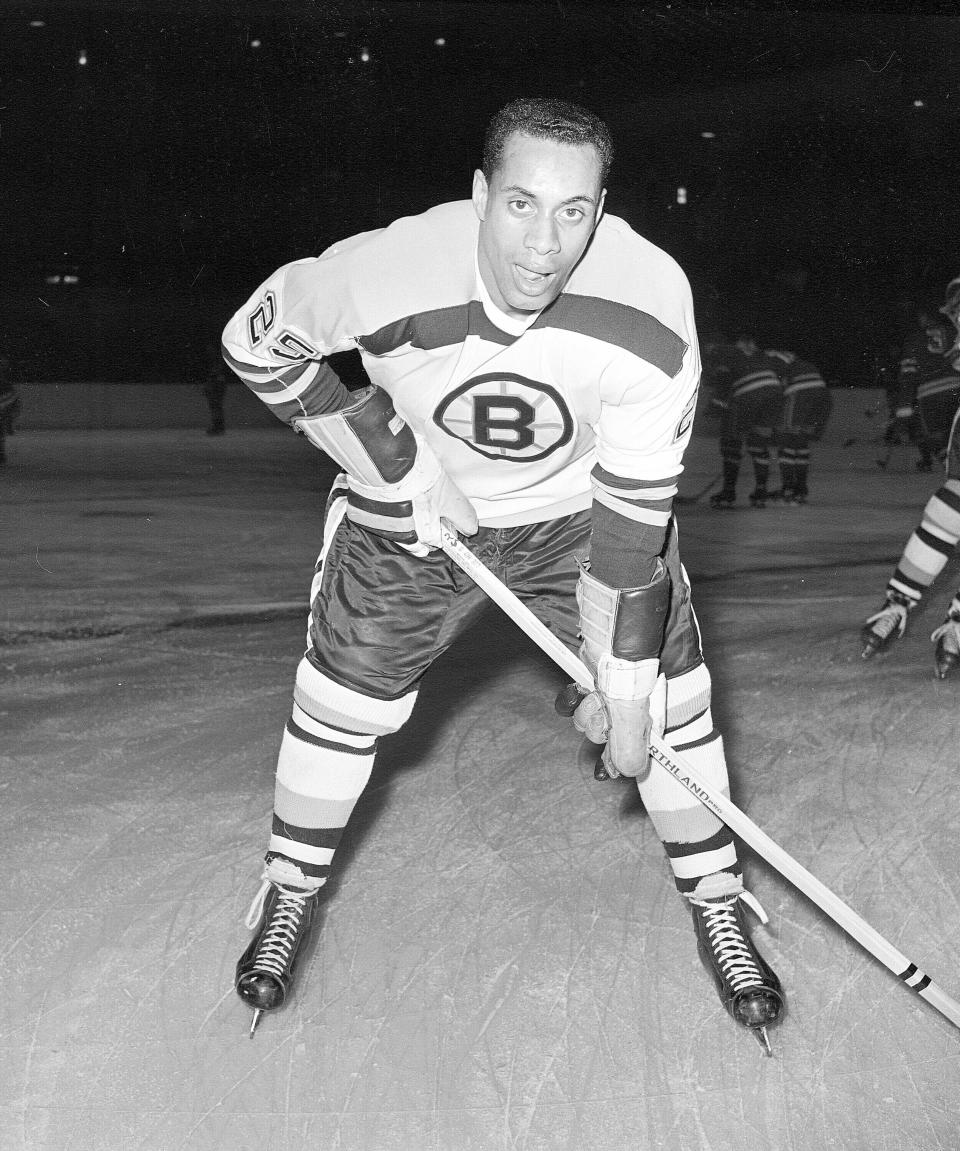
(502, 963)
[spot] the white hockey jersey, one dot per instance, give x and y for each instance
(593, 397)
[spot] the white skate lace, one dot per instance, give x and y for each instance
(732, 952)
(276, 946)
(890, 616)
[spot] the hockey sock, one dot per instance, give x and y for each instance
(931, 544)
(731, 452)
(326, 757)
(788, 470)
(787, 456)
(760, 455)
(802, 469)
(700, 846)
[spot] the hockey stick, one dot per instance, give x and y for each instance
(687, 776)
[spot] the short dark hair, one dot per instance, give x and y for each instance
(559, 120)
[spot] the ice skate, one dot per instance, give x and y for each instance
(747, 985)
(887, 625)
(947, 638)
(281, 916)
(759, 497)
(788, 496)
(723, 499)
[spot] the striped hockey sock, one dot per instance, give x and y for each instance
(930, 545)
(760, 456)
(700, 846)
(326, 757)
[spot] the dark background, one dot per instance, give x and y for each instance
(146, 192)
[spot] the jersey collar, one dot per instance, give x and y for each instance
(509, 324)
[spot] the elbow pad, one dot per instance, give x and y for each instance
(396, 486)
(373, 444)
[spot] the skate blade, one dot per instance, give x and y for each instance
(764, 1040)
(257, 1012)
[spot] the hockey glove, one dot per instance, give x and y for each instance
(622, 632)
(396, 486)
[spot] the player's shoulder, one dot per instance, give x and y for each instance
(416, 263)
(618, 245)
(413, 236)
(629, 293)
(622, 265)
(619, 234)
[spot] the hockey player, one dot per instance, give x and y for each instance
(806, 409)
(933, 541)
(534, 371)
(748, 391)
(10, 404)
(928, 383)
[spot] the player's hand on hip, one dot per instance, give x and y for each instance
(396, 486)
(410, 512)
(442, 501)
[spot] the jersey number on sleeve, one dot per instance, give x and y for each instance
(687, 418)
(262, 319)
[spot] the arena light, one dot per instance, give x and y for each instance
(82, 58)
(681, 195)
(708, 135)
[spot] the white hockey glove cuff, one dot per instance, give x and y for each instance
(396, 486)
(622, 632)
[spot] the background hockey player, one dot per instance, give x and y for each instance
(747, 389)
(933, 541)
(806, 409)
(10, 404)
(213, 384)
(534, 371)
(928, 384)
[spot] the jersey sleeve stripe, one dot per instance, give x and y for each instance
(942, 384)
(805, 384)
(648, 495)
(242, 368)
(264, 379)
(754, 381)
(639, 513)
(291, 387)
(309, 388)
(612, 481)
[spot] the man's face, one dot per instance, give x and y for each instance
(537, 214)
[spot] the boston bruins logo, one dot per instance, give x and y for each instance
(506, 417)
